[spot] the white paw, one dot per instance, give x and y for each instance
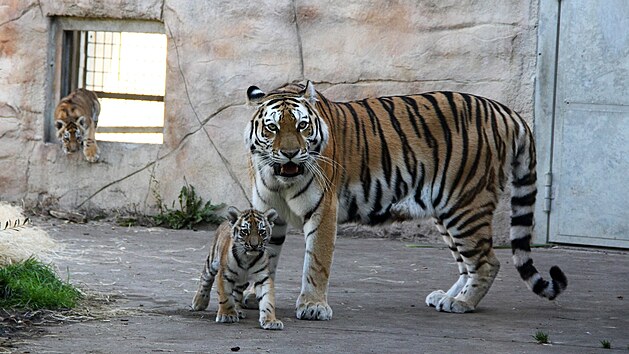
(271, 324)
(314, 311)
(434, 297)
(450, 304)
(227, 318)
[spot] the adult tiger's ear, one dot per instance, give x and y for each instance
(232, 215)
(255, 95)
(310, 93)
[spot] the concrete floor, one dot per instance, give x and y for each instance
(377, 292)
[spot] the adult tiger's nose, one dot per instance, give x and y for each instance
(290, 153)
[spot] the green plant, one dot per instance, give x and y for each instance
(606, 344)
(33, 285)
(541, 337)
(191, 210)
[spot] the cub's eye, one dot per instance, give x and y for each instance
(302, 125)
(272, 127)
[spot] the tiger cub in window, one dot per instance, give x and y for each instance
(76, 118)
(238, 256)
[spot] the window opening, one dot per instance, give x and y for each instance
(127, 70)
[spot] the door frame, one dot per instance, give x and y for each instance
(544, 110)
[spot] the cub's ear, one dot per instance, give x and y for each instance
(271, 215)
(82, 121)
(233, 214)
(59, 124)
(310, 93)
(254, 95)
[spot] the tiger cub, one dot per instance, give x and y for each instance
(238, 255)
(76, 118)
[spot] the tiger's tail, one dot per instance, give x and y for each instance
(523, 193)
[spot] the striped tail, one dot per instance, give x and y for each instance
(523, 193)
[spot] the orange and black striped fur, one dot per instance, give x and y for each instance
(444, 155)
(238, 256)
(76, 118)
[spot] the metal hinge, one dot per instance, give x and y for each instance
(548, 191)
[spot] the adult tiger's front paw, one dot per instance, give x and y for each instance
(313, 310)
(271, 324)
(227, 317)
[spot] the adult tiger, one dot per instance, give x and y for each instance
(76, 118)
(444, 155)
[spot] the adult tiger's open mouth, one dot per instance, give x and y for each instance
(288, 169)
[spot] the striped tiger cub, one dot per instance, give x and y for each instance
(238, 256)
(443, 155)
(76, 118)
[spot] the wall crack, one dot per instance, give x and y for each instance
(299, 42)
(22, 13)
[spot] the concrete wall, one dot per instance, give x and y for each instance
(216, 49)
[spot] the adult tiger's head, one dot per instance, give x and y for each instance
(286, 135)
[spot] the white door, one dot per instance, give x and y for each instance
(590, 151)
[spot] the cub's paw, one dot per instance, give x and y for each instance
(450, 304)
(227, 317)
(249, 300)
(241, 313)
(92, 153)
(200, 302)
(271, 324)
(434, 297)
(311, 310)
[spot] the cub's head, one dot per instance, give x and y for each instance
(286, 135)
(71, 125)
(251, 229)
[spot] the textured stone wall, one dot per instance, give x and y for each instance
(216, 49)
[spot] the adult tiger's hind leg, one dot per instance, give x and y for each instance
(435, 297)
(472, 237)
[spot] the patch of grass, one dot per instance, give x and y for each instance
(191, 211)
(606, 344)
(541, 337)
(33, 285)
(127, 221)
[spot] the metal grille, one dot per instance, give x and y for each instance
(101, 48)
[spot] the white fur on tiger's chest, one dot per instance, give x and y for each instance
(291, 200)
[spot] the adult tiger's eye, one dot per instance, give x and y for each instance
(302, 125)
(272, 127)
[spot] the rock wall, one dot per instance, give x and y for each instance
(216, 49)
